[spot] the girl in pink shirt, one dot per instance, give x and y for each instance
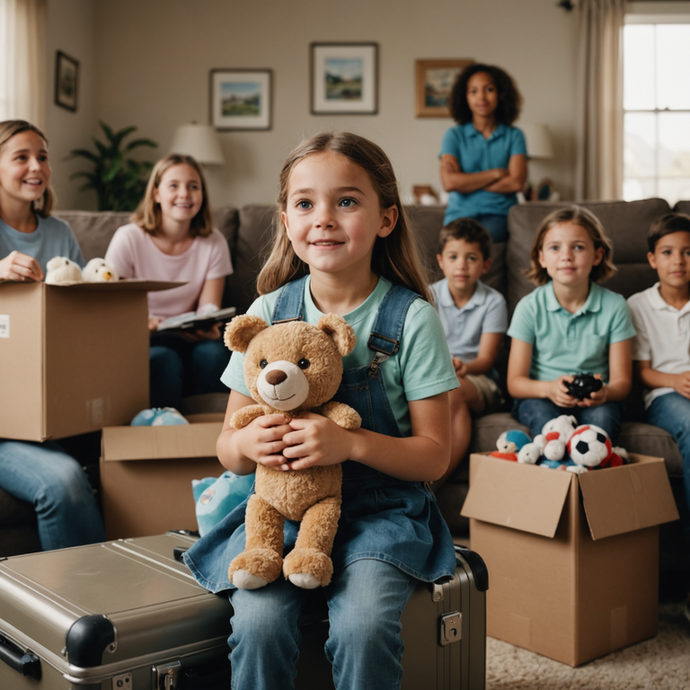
(171, 237)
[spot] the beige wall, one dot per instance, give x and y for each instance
(70, 29)
(152, 60)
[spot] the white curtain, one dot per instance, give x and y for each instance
(23, 60)
(599, 99)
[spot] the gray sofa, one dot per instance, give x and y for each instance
(248, 231)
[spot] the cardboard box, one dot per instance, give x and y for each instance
(73, 359)
(147, 472)
(573, 560)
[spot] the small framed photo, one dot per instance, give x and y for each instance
(344, 78)
(241, 99)
(66, 81)
(435, 79)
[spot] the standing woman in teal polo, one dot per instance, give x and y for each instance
(484, 158)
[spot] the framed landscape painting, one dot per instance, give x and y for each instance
(344, 78)
(241, 98)
(435, 79)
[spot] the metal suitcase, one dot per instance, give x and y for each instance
(118, 615)
(443, 630)
(128, 615)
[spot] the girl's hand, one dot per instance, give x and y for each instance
(460, 367)
(154, 321)
(262, 440)
(18, 266)
(596, 398)
(558, 392)
(212, 333)
(315, 440)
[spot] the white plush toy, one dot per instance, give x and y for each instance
(62, 270)
(556, 433)
(552, 441)
(98, 271)
(531, 452)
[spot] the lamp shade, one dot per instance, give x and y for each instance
(199, 141)
(539, 144)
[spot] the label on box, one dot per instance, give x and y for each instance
(4, 325)
(97, 412)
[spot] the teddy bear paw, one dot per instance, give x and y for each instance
(255, 568)
(243, 579)
(304, 581)
(308, 568)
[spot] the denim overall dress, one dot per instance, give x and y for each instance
(382, 517)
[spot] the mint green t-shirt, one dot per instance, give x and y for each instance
(565, 343)
(421, 369)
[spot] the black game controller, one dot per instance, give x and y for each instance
(583, 385)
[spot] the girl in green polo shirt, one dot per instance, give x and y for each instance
(570, 325)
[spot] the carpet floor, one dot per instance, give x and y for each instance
(661, 663)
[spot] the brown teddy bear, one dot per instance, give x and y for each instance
(290, 368)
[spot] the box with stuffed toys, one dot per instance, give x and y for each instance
(73, 351)
(568, 528)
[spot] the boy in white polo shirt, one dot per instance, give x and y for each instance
(661, 349)
(475, 319)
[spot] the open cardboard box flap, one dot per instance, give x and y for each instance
(518, 496)
(194, 440)
(531, 499)
(124, 285)
(624, 499)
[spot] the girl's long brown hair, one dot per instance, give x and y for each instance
(395, 257)
(9, 128)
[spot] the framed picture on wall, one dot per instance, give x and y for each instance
(241, 99)
(344, 78)
(435, 79)
(66, 81)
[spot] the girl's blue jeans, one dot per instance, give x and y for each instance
(180, 368)
(671, 412)
(56, 485)
(365, 602)
(535, 412)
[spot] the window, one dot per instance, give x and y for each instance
(4, 61)
(656, 104)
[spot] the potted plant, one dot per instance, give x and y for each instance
(118, 180)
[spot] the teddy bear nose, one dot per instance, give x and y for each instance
(275, 377)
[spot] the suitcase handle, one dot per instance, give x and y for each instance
(25, 663)
(477, 566)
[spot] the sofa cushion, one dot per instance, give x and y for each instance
(93, 230)
(252, 245)
(626, 223)
(682, 206)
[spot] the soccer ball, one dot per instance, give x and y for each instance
(589, 445)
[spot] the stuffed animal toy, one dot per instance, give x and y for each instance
(556, 433)
(509, 444)
(290, 368)
(61, 270)
(549, 446)
(98, 271)
(589, 448)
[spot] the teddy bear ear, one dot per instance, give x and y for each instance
(241, 331)
(340, 331)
